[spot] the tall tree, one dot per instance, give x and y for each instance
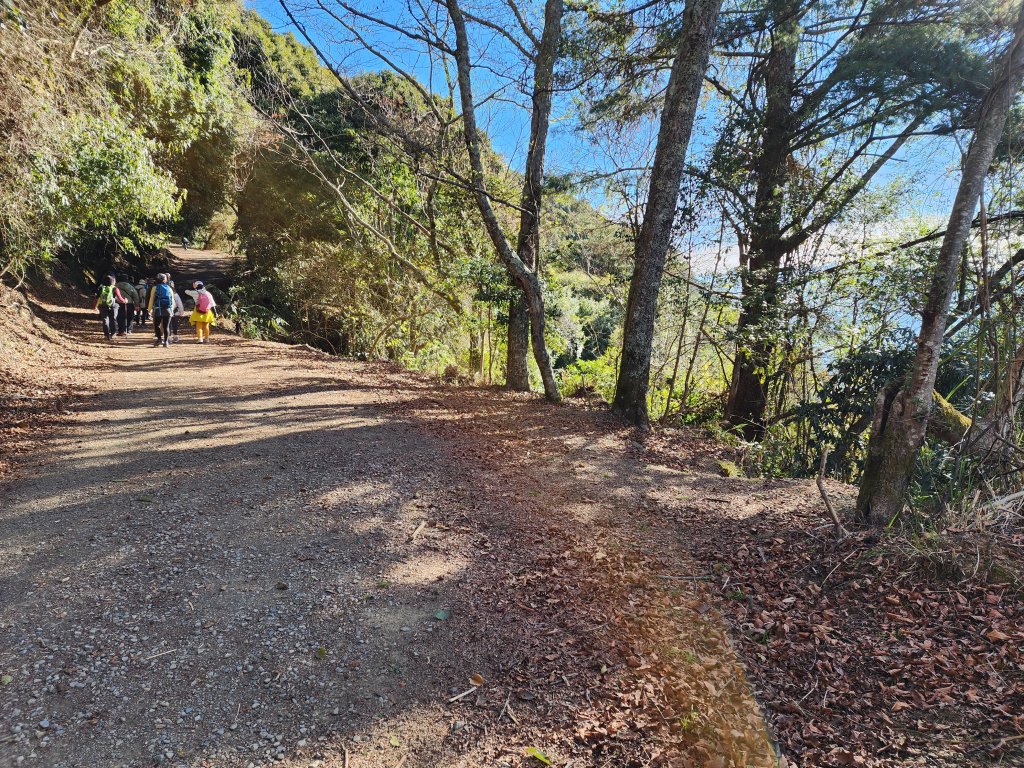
(525, 277)
(833, 91)
(901, 419)
(528, 244)
(759, 278)
(682, 95)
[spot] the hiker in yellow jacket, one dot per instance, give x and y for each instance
(204, 314)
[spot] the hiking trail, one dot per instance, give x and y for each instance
(242, 554)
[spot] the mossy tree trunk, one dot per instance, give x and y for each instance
(901, 419)
(946, 422)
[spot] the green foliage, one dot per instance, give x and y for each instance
(110, 146)
(205, 178)
(841, 414)
(729, 468)
(942, 481)
(272, 63)
(538, 755)
(252, 308)
(583, 377)
(107, 183)
(359, 251)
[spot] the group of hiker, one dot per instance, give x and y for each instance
(124, 304)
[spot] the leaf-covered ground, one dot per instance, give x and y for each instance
(42, 377)
(871, 651)
(866, 656)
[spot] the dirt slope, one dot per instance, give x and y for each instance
(41, 374)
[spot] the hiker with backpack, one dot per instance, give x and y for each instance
(161, 305)
(108, 298)
(142, 289)
(204, 314)
(126, 312)
(179, 312)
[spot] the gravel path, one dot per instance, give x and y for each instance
(241, 554)
(203, 561)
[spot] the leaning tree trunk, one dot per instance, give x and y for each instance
(901, 420)
(681, 99)
(522, 275)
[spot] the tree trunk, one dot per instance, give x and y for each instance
(681, 100)
(759, 280)
(528, 244)
(475, 351)
(901, 427)
(748, 390)
(521, 273)
(490, 345)
(992, 436)
(517, 375)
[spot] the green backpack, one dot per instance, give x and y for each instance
(107, 295)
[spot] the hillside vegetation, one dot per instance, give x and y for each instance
(196, 119)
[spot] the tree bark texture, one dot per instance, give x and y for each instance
(525, 277)
(517, 375)
(681, 100)
(901, 428)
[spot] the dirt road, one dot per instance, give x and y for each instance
(239, 554)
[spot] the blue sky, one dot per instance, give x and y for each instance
(506, 124)
(929, 161)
